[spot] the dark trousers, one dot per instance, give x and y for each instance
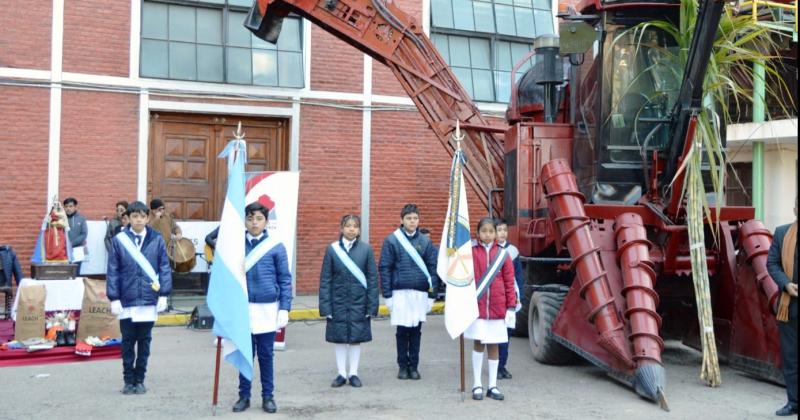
(136, 338)
(408, 343)
(504, 351)
(263, 347)
(788, 335)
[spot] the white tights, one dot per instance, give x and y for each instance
(343, 352)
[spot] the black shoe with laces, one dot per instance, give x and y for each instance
(241, 405)
(269, 405)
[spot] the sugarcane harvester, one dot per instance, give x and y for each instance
(587, 176)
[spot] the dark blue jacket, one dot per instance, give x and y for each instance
(270, 279)
(775, 266)
(10, 265)
(398, 271)
(127, 282)
(513, 253)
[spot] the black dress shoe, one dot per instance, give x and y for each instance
(477, 393)
(338, 381)
(241, 405)
(139, 389)
(787, 410)
(269, 405)
(355, 382)
(128, 389)
(413, 374)
(495, 394)
(402, 373)
(503, 373)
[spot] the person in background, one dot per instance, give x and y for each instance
(513, 254)
(163, 222)
(112, 224)
(78, 229)
(782, 267)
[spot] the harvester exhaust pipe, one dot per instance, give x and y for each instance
(756, 241)
(639, 277)
(547, 47)
(566, 204)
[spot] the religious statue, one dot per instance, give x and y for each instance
(55, 235)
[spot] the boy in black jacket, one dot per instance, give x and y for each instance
(408, 281)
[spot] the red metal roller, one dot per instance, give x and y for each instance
(756, 240)
(566, 205)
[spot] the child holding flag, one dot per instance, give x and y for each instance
(348, 297)
(138, 281)
(513, 253)
(269, 293)
(494, 281)
(409, 283)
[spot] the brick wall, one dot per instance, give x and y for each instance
(25, 37)
(97, 37)
(335, 65)
(23, 176)
(330, 184)
(99, 147)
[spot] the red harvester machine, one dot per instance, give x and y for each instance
(597, 129)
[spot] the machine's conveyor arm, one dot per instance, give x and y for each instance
(387, 34)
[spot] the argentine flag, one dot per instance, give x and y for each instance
(455, 255)
(227, 289)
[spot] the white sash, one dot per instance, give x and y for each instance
(259, 251)
(140, 259)
(401, 237)
(491, 273)
(349, 263)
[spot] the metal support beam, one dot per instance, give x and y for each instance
(759, 87)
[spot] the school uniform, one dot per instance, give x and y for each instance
(408, 276)
(348, 299)
(138, 275)
(496, 298)
(269, 290)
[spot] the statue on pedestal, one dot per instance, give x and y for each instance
(55, 235)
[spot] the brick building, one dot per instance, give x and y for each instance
(111, 100)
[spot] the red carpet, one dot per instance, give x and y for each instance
(66, 354)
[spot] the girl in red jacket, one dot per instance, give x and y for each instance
(494, 281)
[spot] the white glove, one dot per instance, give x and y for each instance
(161, 306)
(430, 305)
(389, 303)
(283, 318)
(116, 307)
(511, 319)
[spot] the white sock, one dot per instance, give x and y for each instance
(355, 353)
(341, 359)
(477, 364)
(493, 364)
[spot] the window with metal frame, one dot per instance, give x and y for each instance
(205, 41)
(481, 40)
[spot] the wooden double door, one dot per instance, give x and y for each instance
(184, 170)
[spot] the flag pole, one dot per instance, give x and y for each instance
(461, 348)
(216, 378)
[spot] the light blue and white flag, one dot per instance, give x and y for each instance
(455, 256)
(227, 289)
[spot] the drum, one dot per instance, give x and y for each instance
(182, 256)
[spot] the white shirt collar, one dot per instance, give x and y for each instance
(251, 237)
(502, 244)
(487, 246)
(347, 244)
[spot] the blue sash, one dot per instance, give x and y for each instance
(259, 251)
(401, 237)
(349, 263)
(491, 273)
(140, 259)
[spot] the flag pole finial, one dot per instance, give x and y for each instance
(238, 134)
(457, 136)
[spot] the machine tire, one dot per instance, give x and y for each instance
(544, 307)
(521, 327)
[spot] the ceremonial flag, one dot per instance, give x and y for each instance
(455, 255)
(227, 289)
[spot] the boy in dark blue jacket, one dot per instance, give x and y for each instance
(139, 280)
(269, 291)
(513, 253)
(408, 283)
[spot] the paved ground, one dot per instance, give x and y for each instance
(180, 381)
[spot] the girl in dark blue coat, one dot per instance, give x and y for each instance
(348, 297)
